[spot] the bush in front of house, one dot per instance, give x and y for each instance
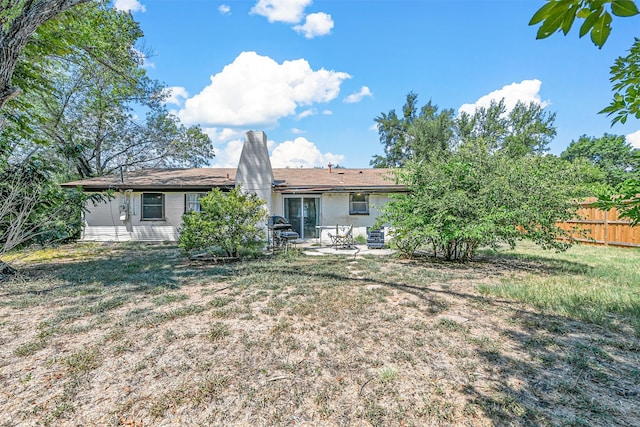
(225, 226)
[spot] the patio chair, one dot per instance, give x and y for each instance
(375, 238)
(342, 239)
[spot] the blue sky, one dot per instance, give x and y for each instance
(314, 74)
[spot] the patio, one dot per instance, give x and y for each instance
(312, 248)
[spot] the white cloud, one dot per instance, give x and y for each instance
(306, 113)
(176, 95)
(129, 5)
(526, 91)
(297, 131)
(223, 135)
(228, 155)
(290, 11)
(357, 96)
(634, 139)
(256, 90)
(374, 127)
(315, 24)
(302, 153)
(224, 9)
(327, 112)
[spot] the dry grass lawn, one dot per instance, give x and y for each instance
(135, 335)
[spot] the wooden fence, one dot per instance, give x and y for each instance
(600, 227)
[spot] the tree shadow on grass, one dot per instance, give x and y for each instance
(501, 262)
(556, 371)
(547, 370)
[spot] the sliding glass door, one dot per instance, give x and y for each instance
(304, 215)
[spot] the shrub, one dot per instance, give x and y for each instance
(226, 225)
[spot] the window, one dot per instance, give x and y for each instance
(192, 201)
(152, 206)
(358, 204)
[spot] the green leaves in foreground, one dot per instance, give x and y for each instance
(625, 76)
(560, 15)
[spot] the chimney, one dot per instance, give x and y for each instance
(330, 165)
(254, 171)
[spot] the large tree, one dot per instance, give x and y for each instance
(91, 105)
(433, 127)
(86, 104)
(612, 154)
(19, 20)
(489, 183)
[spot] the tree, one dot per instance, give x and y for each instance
(33, 209)
(612, 154)
(82, 85)
(99, 113)
(226, 225)
(399, 144)
(488, 184)
(19, 20)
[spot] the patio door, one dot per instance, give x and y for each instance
(304, 215)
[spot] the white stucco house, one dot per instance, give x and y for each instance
(149, 203)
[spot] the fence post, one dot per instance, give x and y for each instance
(606, 228)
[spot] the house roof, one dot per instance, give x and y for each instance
(287, 180)
(321, 180)
(161, 179)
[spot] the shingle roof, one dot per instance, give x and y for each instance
(286, 179)
(336, 180)
(161, 179)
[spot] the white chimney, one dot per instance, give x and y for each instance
(254, 172)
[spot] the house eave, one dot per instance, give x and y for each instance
(156, 188)
(339, 189)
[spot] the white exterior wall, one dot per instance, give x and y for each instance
(103, 223)
(334, 210)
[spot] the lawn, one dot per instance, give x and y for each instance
(135, 335)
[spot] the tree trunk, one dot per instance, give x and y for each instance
(17, 33)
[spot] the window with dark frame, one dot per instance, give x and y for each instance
(358, 204)
(152, 206)
(192, 201)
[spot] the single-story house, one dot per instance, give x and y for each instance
(149, 203)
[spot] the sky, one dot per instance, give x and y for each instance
(314, 74)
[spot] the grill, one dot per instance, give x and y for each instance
(280, 232)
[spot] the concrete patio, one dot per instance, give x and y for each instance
(312, 248)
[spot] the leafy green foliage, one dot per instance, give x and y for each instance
(625, 198)
(490, 183)
(34, 209)
(433, 128)
(611, 154)
(89, 104)
(559, 15)
(625, 76)
(227, 225)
